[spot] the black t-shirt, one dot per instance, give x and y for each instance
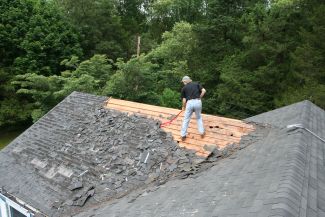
(191, 90)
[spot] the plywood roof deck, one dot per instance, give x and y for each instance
(220, 131)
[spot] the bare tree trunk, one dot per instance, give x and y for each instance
(138, 45)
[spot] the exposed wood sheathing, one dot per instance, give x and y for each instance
(220, 131)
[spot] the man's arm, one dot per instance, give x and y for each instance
(184, 104)
(203, 91)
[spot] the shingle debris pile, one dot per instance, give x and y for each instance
(128, 151)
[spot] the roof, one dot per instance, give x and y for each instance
(220, 131)
(33, 168)
(276, 172)
(80, 149)
(281, 174)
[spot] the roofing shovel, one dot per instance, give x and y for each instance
(169, 122)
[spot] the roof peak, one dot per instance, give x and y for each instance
(296, 113)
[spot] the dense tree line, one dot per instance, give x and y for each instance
(251, 56)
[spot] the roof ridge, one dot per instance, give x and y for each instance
(305, 111)
(292, 183)
(298, 186)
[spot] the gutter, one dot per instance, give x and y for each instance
(7, 200)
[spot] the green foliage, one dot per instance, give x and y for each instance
(251, 56)
(308, 63)
(170, 76)
(133, 80)
(35, 37)
(46, 91)
(14, 16)
(144, 78)
(14, 111)
(165, 13)
(100, 26)
(218, 36)
(242, 94)
(170, 98)
(40, 90)
(172, 56)
(98, 66)
(4, 86)
(134, 23)
(255, 77)
(83, 83)
(176, 45)
(89, 76)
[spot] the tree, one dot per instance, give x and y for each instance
(164, 14)
(14, 16)
(172, 56)
(219, 35)
(308, 63)
(89, 76)
(13, 109)
(39, 89)
(143, 79)
(134, 23)
(44, 92)
(170, 98)
(34, 38)
(134, 81)
(242, 92)
(255, 76)
(100, 26)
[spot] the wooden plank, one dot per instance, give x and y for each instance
(167, 112)
(140, 111)
(219, 131)
(142, 105)
(164, 118)
(209, 137)
(220, 135)
(199, 142)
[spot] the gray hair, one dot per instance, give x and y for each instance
(186, 79)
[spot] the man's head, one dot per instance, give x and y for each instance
(186, 80)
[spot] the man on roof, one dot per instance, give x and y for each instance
(191, 94)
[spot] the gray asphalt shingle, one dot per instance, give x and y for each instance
(24, 163)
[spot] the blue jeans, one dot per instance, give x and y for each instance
(193, 105)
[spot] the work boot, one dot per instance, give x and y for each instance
(202, 135)
(183, 138)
